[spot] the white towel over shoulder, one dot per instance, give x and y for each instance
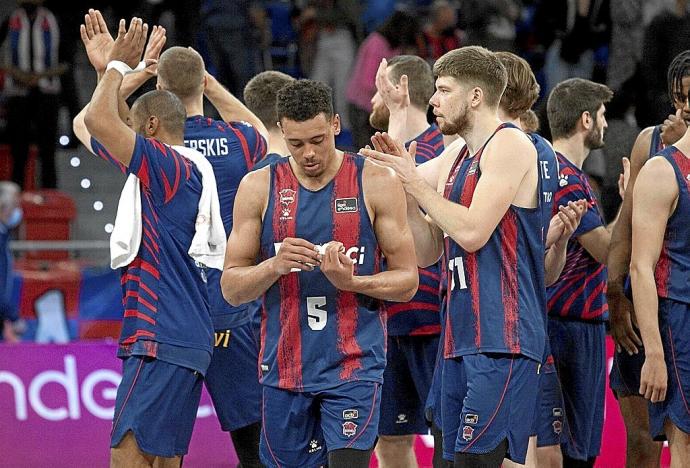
(208, 244)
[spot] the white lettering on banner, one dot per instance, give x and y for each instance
(75, 396)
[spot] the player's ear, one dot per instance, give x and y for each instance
(152, 125)
(586, 120)
(336, 124)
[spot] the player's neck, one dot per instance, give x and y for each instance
(508, 119)
(484, 125)
(416, 122)
(276, 143)
(573, 149)
(194, 105)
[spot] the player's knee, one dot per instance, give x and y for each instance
(492, 459)
(549, 457)
(395, 450)
(127, 453)
(396, 442)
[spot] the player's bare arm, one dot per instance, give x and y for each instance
(618, 260)
(654, 198)
(243, 280)
(102, 117)
(565, 222)
(509, 176)
(229, 107)
(383, 195)
(428, 238)
(152, 53)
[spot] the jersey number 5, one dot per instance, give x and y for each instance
(316, 317)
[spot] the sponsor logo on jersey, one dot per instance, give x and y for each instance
(562, 180)
(467, 433)
(345, 205)
(287, 198)
(557, 412)
(402, 419)
(473, 167)
(349, 428)
(350, 414)
(314, 446)
(557, 427)
(471, 418)
(264, 368)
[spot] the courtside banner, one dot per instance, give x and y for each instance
(56, 408)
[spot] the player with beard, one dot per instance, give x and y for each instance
(404, 85)
(577, 301)
(629, 357)
(323, 332)
(488, 227)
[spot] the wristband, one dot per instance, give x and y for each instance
(123, 68)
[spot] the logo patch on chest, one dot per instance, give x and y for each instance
(346, 205)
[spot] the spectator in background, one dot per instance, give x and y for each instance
(571, 31)
(667, 36)
(441, 35)
(10, 217)
(490, 23)
(230, 28)
(32, 87)
(627, 33)
(398, 34)
(338, 27)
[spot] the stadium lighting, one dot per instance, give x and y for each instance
(75, 161)
(85, 183)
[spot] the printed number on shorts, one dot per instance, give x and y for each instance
(317, 317)
(456, 267)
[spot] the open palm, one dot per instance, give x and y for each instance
(96, 39)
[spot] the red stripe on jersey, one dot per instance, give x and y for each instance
(262, 335)
(662, 272)
(426, 330)
(448, 341)
(588, 314)
(153, 295)
(146, 266)
(429, 274)
(428, 289)
(143, 173)
(147, 246)
(395, 309)
(289, 354)
(564, 287)
(509, 280)
(139, 333)
(245, 147)
(346, 228)
(135, 313)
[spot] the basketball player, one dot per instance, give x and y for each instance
(318, 222)
(659, 273)
(641, 450)
(404, 86)
(576, 302)
(260, 95)
(233, 146)
(490, 215)
(166, 339)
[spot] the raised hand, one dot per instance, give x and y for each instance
(673, 128)
(623, 178)
(391, 153)
(153, 49)
(129, 44)
(395, 97)
(96, 39)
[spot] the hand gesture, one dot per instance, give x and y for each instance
(392, 154)
(294, 255)
(622, 317)
(153, 49)
(623, 178)
(565, 222)
(129, 44)
(654, 378)
(673, 128)
(337, 267)
(395, 97)
(96, 39)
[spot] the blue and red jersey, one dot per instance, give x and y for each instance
(580, 291)
(164, 293)
(420, 316)
(656, 144)
(672, 273)
(495, 299)
(232, 148)
(269, 159)
(313, 336)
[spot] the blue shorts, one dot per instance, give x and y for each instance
(579, 351)
(624, 378)
(549, 416)
(406, 381)
(674, 325)
(432, 410)
(488, 398)
(157, 401)
(300, 428)
(232, 378)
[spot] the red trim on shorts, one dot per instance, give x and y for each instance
(129, 393)
(675, 369)
(371, 413)
(263, 428)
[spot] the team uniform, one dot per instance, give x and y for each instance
(232, 149)
(673, 289)
(494, 332)
(322, 350)
(413, 336)
(548, 421)
(624, 378)
(166, 339)
(577, 324)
